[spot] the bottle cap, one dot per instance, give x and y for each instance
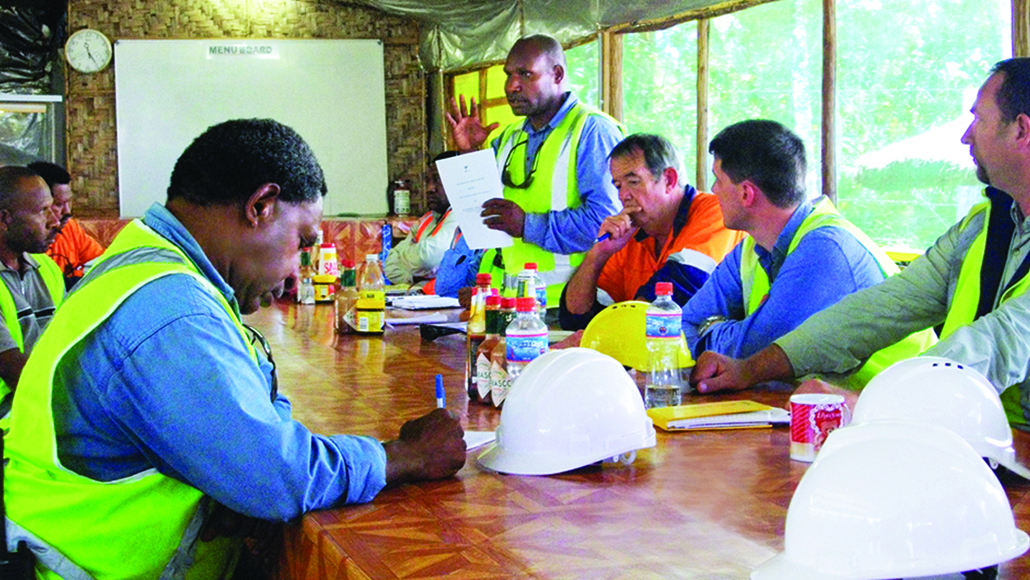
(525, 304)
(483, 279)
(508, 302)
(493, 300)
(663, 288)
(347, 263)
(530, 266)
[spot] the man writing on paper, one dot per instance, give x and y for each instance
(557, 189)
(148, 420)
(801, 257)
(973, 280)
(667, 231)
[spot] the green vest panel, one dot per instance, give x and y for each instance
(124, 529)
(53, 278)
(756, 285)
(964, 302)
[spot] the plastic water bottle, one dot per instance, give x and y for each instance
(530, 285)
(663, 326)
(525, 338)
(500, 383)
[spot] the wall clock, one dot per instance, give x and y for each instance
(88, 50)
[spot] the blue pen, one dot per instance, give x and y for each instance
(439, 392)
(603, 237)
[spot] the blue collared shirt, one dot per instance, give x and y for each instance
(167, 383)
(828, 264)
(574, 230)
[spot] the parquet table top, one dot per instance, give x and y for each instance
(708, 505)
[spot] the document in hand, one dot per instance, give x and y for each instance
(721, 415)
(470, 180)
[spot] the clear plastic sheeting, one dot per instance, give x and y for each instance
(458, 34)
(26, 50)
(26, 134)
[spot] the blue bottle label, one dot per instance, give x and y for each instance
(664, 325)
(541, 296)
(525, 347)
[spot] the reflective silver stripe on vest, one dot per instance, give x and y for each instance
(505, 149)
(182, 560)
(560, 178)
(45, 554)
(560, 274)
(131, 257)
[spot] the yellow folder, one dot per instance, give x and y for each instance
(721, 415)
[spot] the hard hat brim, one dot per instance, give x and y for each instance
(781, 567)
(497, 458)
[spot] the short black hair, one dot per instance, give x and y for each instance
(766, 153)
(231, 160)
(10, 178)
(1013, 97)
(52, 173)
(659, 154)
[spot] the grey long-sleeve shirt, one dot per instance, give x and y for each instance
(840, 338)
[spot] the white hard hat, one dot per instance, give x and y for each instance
(568, 408)
(942, 392)
(891, 499)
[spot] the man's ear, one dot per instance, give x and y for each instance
(260, 207)
(672, 178)
(749, 193)
(1023, 130)
(559, 74)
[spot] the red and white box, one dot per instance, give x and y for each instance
(813, 416)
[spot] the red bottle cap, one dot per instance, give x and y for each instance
(483, 279)
(525, 304)
(663, 288)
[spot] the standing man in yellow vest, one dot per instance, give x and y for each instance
(973, 280)
(801, 258)
(32, 283)
(148, 421)
(557, 187)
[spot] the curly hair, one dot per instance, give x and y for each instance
(231, 160)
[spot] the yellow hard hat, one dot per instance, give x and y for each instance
(618, 331)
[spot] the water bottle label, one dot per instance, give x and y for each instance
(526, 347)
(664, 325)
(541, 297)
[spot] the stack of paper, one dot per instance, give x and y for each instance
(722, 415)
(425, 302)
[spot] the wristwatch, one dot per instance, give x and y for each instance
(707, 324)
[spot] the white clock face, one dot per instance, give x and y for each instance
(88, 51)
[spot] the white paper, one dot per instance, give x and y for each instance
(470, 180)
(412, 320)
(475, 439)
(425, 302)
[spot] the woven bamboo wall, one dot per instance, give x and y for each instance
(91, 140)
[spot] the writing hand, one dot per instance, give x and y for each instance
(504, 215)
(430, 447)
(467, 126)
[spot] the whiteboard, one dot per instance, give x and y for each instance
(332, 92)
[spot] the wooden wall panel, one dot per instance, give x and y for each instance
(90, 128)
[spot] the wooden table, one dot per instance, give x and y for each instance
(708, 505)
